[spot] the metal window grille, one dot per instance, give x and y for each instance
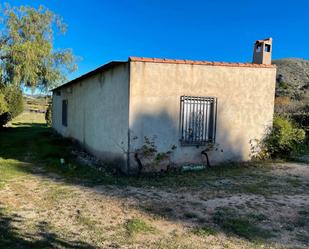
(198, 116)
(65, 112)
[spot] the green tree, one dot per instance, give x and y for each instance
(27, 53)
(3, 104)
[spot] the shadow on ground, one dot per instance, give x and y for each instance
(38, 146)
(10, 236)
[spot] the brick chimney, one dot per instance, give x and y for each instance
(262, 51)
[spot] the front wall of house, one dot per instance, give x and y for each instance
(245, 106)
(97, 113)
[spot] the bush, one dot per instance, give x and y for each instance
(48, 115)
(3, 104)
(283, 139)
(4, 118)
(11, 103)
(14, 98)
(302, 119)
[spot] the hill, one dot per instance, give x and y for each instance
(292, 90)
(36, 104)
(292, 78)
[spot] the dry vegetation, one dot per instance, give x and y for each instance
(292, 90)
(47, 205)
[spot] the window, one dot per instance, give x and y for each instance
(258, 47)
(198, 120)
(267, 48)
(65, 112)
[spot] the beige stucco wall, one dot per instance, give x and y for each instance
(97, 113)
(245, 106)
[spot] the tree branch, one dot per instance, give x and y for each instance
(3, 57)
(4, 41)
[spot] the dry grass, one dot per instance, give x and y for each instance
(236, 206)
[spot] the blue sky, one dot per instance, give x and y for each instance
(220, 30)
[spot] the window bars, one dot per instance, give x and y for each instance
(198, 116)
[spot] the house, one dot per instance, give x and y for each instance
(126, 111)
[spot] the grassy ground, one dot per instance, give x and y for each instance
(44, 204)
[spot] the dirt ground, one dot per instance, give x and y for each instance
(42, 207)
(47, 205)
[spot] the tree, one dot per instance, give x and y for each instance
(27, 53)
(3, 104)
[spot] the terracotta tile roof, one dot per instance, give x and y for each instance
(155, 60)
(209, 63)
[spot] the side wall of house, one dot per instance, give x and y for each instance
(245, 106)
(97, 113)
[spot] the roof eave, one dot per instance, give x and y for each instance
(91, 73)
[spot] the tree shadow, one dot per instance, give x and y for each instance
(39, 146)
(11, 236)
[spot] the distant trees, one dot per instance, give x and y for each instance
(27, 55)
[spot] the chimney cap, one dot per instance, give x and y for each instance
(264, 40)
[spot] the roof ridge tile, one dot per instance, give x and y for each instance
(211, 63)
